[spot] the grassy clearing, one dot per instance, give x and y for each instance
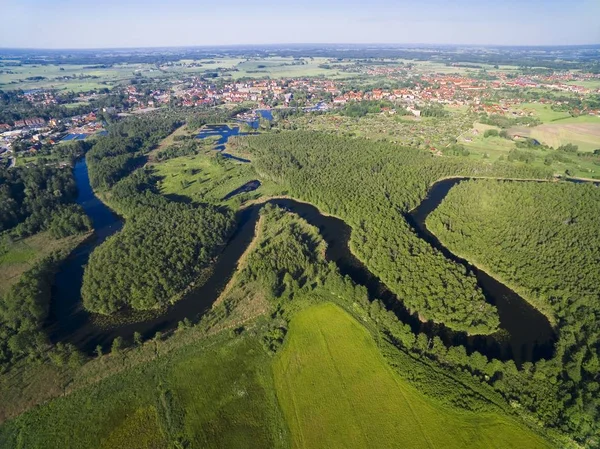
(405, 130)
(204, 177)
(18, 256)
(336, 390)
(212, 393)
(495, 148)
(231, 400)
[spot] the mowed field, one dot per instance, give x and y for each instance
(581, 131)
(337, 391)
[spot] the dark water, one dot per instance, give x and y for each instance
(261, 113)
(224, 132)
(248, 187)
(67, 316)
(74, 137)
(266, 114)
(530, 335)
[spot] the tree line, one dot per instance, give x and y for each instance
(542, 239)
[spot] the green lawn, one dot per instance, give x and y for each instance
(337, 391)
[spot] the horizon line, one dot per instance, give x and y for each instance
(379, 44)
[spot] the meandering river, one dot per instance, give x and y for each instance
(527, 335)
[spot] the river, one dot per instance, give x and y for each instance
(530, 336)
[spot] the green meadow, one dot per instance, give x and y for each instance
(17, 256)
(212, 394)
(280, 67)
(337, 391)
(207, 177)
(581, 131)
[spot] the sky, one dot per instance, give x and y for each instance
(160, 23)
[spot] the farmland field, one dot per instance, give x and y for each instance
(543, 112)
(284, 67)
(581, 131)
(590, 84)
(336, 390)
(80, 78)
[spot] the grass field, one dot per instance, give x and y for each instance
(203, 178)
(93, 78)
(278, 67)
(581, 131)
(169, 140)
(590, 84)
(18, 256)
(215, 394)
(542, 111)
(494, 148)
(406, 130)
(337, 391)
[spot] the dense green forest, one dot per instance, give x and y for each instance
(164, 244)
(371, 186)
(40, 198)
(118, 154)
(160, 251)
(33, 199)
(23, 311)
(543, 240)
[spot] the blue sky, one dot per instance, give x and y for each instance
(139, 23)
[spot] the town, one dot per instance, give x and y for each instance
(407, 89)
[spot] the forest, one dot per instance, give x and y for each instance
(164, 245)
(115, 156)
(371, 185)
(542, 239)
(40, 198)
(34, 199)
(160, 251)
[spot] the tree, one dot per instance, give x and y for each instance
(99, 352)
(137, 338)
(117, 346)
